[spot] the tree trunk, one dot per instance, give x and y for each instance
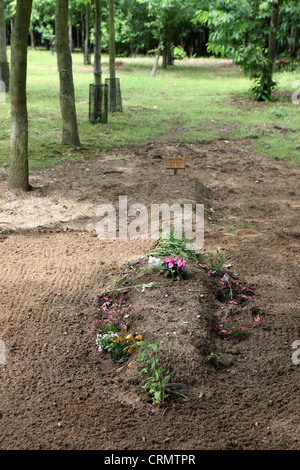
(4, 66)
(82, 32)
(165, 49)
(112, 46)
(97, 43)
(294, 44)
(3, 55)
(170, 55)
(70, 30)
(97, 89)
(156, 60)
(112, 57)
(164, 58)
(87, 59)
(272, 49)
(297, 39)
(18, 172)
(70, 134)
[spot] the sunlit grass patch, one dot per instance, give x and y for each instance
(190, 101)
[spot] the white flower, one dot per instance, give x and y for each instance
(100, 338)
(154, 262)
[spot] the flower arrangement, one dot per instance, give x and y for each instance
(175, 268)
(235, 286)
(214, 264)
(230, 327)
(119, 344)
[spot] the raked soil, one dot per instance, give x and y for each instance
(58, 392)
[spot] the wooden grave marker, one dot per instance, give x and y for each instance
(175, 163)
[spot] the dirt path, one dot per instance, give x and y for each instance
(58, 392)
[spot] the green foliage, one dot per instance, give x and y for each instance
(119, 344)
(239, 30)
(215, 262)
(174, 268)
(138, 23)
(171, 244)
(262, 89)
(179, 53)
(152, 367)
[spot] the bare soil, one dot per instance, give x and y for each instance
(58, 392)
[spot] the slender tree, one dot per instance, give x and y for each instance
(97, 42)
(155, 65)
(70, 135)
(266, 82)
(87, 57)
(99, 95)
(18, 173)
(272, 49)
(112, 56)
(4, 67)
(2, 33)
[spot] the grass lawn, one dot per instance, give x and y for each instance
(192, 101)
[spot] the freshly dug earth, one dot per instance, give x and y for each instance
(59, 392)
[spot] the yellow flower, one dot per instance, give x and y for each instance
(130, 350)
(129, 337)
(124, 329)
(113, 341)
(139, 337)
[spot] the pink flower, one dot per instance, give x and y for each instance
(170, 265)
(181, 264)
(124, 291)
(257, 319)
